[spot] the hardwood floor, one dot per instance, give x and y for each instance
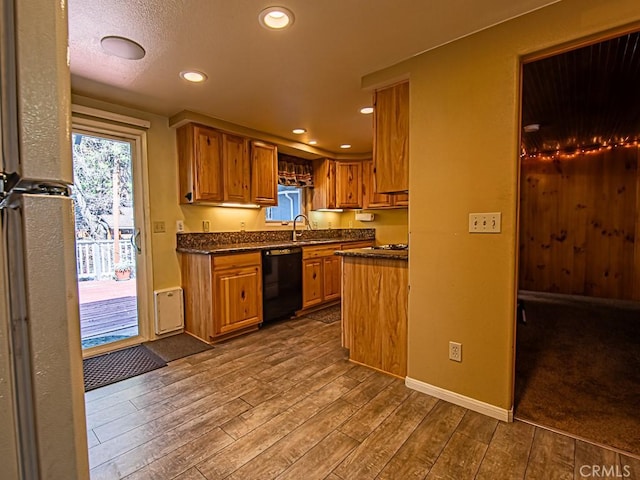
(284, 403)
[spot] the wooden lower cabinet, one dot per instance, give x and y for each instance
(322, 272)
(237, 291)
(332, 277)
(374, 312)
(312, 282)
(223, 294)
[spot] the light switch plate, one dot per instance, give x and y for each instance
(159, 227)
(485, 222)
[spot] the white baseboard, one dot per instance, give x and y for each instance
(461, 400)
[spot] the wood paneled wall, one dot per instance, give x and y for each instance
(579, 219)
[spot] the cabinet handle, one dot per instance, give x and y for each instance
(314, 275)
(208, 141)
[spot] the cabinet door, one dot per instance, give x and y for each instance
(236, 168)
(312, 282)
(200, 158)
(324, 180)
(370, 198)
(349, 184)
(401, 199)
(264, 174)
(332, 277)
(391, 139)
(237, 298)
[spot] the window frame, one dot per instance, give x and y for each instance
(303, 207)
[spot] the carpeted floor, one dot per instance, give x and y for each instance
(177, 346)
(119, 365)
(578, 370)
(327, 315)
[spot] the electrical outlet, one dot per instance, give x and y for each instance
(242, 225)
(455, 351)
(159, 227)
(205, 226)
(485, 222)
(179, 225)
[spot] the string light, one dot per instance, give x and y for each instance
(572, 152)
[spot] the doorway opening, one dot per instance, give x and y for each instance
(110, 200)
(105, 239)
(578, 335)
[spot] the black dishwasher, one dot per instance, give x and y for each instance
(281, 282)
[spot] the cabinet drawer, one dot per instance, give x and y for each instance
(322, 251)
(236, 260)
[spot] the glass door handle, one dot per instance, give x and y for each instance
(135, 240)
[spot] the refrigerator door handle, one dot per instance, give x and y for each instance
(135, 240)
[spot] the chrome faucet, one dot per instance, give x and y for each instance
(296, 234)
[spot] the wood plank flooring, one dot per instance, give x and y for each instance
(284, 403)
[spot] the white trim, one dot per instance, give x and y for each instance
(461, 400)
(105, 115)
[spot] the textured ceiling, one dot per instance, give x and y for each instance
(584, 98)
(307, 76)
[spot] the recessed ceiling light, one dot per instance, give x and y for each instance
(193, 76)
(276, 18)
(299, 131)
(312, 142)
(122, 47)
(366, 110)
(345, 145)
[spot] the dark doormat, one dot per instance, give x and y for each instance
(327, 315)
(120, 365)
(177, 346)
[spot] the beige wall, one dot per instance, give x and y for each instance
(391, 225)
(465, 106)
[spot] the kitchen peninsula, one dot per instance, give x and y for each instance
(374, 307)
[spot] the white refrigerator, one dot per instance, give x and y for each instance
(42, 416)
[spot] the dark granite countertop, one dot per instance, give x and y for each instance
(253, 246)
(375, 253)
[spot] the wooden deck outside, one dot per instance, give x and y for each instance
(108, 307)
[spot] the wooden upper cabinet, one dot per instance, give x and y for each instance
(349, 184)
(235, 154)
(200, 164)
(264, 174)
(324, 181)
(217, 167)
(337, 184)
(391, 139)
(373, 200)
